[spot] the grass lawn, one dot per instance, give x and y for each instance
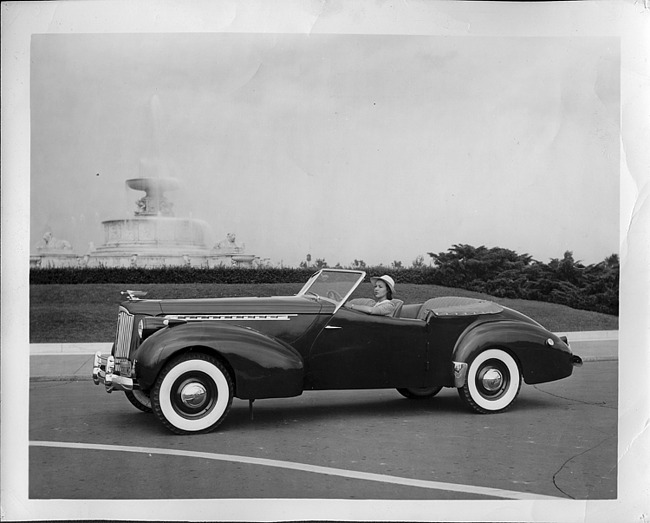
(88, 313)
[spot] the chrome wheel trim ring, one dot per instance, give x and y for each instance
(491, 379)
(193, 383)
(193, 394)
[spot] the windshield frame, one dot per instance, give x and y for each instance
(361, 275)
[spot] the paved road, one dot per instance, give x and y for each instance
(559, 440)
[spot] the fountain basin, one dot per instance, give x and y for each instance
(162, 234)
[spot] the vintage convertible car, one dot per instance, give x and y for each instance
(187, 359)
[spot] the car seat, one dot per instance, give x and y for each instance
(410, 310)
(398, 310)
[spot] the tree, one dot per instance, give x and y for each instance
(602, 284)
(504, 273)
(418, 263)
(465, 264)
(358, 264)
(567, 269)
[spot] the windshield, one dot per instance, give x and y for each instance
(333, 285)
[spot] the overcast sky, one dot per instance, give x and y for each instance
(371, 147)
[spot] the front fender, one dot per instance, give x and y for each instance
(540, 360)
(262, 367)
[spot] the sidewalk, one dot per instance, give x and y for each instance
(74, 361)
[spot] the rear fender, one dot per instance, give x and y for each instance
(262, 367)
(541, 355)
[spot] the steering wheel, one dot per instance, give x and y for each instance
(333, 295)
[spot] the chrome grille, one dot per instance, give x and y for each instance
(123, 341)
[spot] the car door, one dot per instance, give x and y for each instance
(357, 350)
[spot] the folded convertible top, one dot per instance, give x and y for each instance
(458, 306)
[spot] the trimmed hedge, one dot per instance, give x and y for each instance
(136, 275)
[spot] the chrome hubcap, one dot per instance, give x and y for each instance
(193, 394)
(492, 380)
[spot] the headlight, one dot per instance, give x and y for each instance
(148, 325)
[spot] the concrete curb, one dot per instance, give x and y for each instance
(67, 349)
(590, 335)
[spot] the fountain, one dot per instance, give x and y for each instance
(154, 237)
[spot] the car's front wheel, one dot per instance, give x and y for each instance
(192, 394)
(419, 393)
(139, 399)
(493, 382)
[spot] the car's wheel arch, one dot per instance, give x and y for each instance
(199, 349)
(513, 338)
(259, 366)
(471, 356)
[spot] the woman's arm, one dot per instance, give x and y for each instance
(360, 308)
(385, 308)
(361, 304)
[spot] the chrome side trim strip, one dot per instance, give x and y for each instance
(231, 317)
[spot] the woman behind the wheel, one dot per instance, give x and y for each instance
(384, 288)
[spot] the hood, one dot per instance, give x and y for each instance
(274, 305)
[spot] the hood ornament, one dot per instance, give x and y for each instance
(133, 295)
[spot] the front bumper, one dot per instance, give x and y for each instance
(104, 372)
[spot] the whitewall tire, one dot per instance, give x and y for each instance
(192, 394)
(493, 382)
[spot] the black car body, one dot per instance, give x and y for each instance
(187, 359)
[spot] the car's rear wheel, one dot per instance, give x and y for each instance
(493, 382)
(419, 393)
(192, 394)
(139, 399)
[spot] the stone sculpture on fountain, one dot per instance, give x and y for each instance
(52, 252)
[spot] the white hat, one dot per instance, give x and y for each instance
(385, 278)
